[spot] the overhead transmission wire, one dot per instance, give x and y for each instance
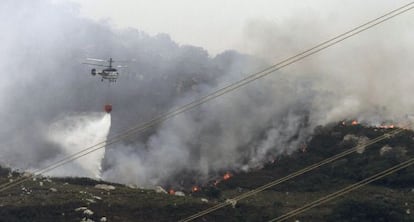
(345, 190)
(292, 175)
(229, 88)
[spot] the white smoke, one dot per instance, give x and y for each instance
(368, 77)
(238, 131)
(73, 134)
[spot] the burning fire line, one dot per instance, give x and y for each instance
(226, 176)
(386, 126)
(381, 126)
(352, 123)
(197, 188)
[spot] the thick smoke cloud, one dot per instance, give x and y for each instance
(368, 76)
(368, 79)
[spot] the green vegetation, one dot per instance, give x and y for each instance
(374, 211)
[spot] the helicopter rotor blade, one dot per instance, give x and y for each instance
(98, 60)
(86, 63)
(125, 61)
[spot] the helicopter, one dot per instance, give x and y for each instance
(109, 73)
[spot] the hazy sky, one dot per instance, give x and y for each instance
(218, 25)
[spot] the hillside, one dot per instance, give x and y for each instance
(390, 199)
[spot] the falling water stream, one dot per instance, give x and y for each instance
(75, 133)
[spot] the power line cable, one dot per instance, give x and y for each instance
(345, 190)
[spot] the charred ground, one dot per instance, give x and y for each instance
(389, 199)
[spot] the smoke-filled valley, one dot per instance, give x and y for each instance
(45, 87)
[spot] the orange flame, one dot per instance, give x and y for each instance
(195, 189)
(386, 126)
(171, 192)
(226, 176)
(354, 123)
